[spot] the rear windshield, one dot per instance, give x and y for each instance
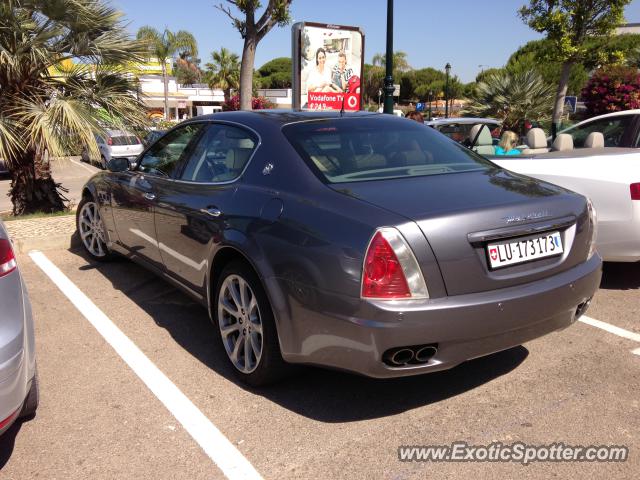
(361, 149)
(125, 140)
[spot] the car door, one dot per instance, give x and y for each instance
(135, 192)
(193, 211)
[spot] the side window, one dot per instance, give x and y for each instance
(163, 157)
(220, 155)
(611, 128)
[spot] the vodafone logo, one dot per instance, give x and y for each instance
(352, 101)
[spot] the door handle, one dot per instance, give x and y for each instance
(213, 211)
(149, 196)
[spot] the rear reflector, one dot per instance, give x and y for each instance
(383, 276)
(7, 258)
(635, 191)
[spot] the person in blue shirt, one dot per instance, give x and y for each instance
(507, 145)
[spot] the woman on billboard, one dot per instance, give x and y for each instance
(319, 79)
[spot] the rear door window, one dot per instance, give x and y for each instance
(220, 155)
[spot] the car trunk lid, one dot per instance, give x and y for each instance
(461, 214)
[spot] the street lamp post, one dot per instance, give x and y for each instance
(447, 69)
(388, 79)
(430, 98)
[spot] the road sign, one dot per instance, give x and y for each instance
(420, 107)
(396, 89)
(570, 103)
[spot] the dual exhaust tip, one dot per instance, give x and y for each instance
(402, 356)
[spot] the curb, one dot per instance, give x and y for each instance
(52, 242)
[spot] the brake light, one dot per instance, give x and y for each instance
(7, 258)
(635, 191)
(390, 270)
(109, 141)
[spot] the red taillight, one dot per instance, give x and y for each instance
(383, 276)
(7, 258)
(109, 141)
(635, 191)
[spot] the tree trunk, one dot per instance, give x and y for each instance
(32, 188)
(561, 93)
(246, 70)
(165, 81)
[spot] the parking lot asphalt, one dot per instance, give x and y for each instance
(68, 171)
(97, 419)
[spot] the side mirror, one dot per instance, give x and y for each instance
(118, 165)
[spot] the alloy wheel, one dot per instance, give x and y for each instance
(92, 230)
(240, 323)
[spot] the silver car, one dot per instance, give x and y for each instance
(116, 144)
(18, 378)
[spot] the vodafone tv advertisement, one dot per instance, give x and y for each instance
(327, 66)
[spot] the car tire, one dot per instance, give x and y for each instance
(91, 230)
(252, 327)
(30, 404)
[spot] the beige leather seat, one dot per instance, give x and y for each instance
(536, 141)
(484, 143)
(594, 140)
(563, 142)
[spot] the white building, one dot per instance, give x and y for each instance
(184, 101)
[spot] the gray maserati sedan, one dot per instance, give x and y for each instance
(362, 242)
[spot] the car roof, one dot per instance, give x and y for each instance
(281, 117)
(474, 120)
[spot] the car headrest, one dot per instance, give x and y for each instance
(536, 138)
(563, 141)
(594, 140)
(485, 135)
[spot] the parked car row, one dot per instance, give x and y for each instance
(360, 241)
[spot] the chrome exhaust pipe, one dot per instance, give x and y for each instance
(401, 357)
(425, 353)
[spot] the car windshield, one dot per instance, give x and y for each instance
(125, 140)
(362, 149)
(460, 131)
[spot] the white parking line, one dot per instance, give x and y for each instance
(223, 453)
(621, 332)
(86, 167)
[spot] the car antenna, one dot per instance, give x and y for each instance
(342, 107)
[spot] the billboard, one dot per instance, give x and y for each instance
(327, 66)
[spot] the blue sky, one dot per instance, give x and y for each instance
(466, 33)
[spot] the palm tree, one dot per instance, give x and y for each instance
(48, 103)
(224, 72)
(512, 97)
(163, 46)
(400, 62)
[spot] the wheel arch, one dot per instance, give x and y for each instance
(229, 253)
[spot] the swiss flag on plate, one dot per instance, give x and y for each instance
(494, 254)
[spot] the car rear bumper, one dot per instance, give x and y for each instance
(463, 327)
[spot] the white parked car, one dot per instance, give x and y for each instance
(610, 177)
(116, 144)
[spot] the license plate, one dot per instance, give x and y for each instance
(520, 251)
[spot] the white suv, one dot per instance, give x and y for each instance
(116, 144)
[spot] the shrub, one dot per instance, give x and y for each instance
(612, 90)
(257, 103)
